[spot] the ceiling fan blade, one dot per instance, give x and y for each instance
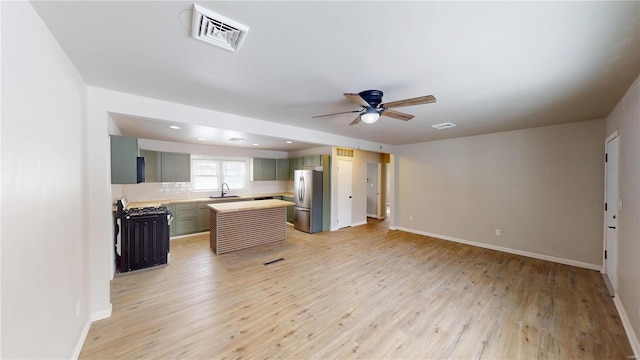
(357, 99)
(397, 115)
(357, 120)
(408, 102)
(344, 112)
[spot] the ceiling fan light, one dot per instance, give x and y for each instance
(370, 117)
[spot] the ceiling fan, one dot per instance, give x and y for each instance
(373, 107)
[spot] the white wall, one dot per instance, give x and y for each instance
(44, 240)
(542, 187)
(625, 118)
(320, 150)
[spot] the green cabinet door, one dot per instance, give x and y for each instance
(282, 169)
(299, 163)
(292, 168)
(124, 159)
(176, 167)
(186, 218)
(152, 165)
(312, 160)
(290, 209)
(203, 217)
(256, 167)
(268, 169)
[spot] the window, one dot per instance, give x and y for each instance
(210, 173)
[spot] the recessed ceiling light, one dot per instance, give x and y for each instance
(201, 139)
(175, 127)
(289, 142)
(443, 126)
(255, 144)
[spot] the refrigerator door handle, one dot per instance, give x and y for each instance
(302, 188)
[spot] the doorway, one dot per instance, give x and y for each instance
(373, 190)
(612, 206)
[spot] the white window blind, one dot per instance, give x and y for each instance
(210, 173)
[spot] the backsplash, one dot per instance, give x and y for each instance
(170, 191)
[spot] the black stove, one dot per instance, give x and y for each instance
(142, 236)
(146, 211)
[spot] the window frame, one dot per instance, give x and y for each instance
(220, 172)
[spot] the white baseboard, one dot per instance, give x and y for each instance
(85, 331)
(633, 339)
(102, 314)
(575, 263)
(83, 337)
(359, 223)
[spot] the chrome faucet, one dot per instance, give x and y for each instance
(222, 191)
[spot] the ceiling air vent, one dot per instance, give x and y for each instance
(218, 30)
(443, 126)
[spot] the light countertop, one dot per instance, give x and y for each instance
(152, 203)
(249, 205)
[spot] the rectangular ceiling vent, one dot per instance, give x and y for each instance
(218, 30)
(443, 126)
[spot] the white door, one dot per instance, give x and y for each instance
(344, 193)
(611, 211)
(373, 190)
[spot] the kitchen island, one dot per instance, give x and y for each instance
(239, 225)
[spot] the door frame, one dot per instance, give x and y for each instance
(378, 214)
(605, 256)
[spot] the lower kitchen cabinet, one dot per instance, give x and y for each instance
(193, 217)
(203, 217)
(185, 219)
(290, 209)
(172, 226)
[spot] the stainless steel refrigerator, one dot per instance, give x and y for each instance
(308, 196)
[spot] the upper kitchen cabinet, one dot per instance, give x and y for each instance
(152, 165)
(166, 166)
(282, 169)
(124, 160)
(312, 160)
(263, 169)
(176, 167)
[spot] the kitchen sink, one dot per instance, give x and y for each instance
(224, 197)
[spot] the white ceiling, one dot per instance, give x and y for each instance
(493, 66)
(197, 134)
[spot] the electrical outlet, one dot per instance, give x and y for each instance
(498, 232)
(78, 309)
(410, 218)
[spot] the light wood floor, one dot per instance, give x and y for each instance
(363, 292)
